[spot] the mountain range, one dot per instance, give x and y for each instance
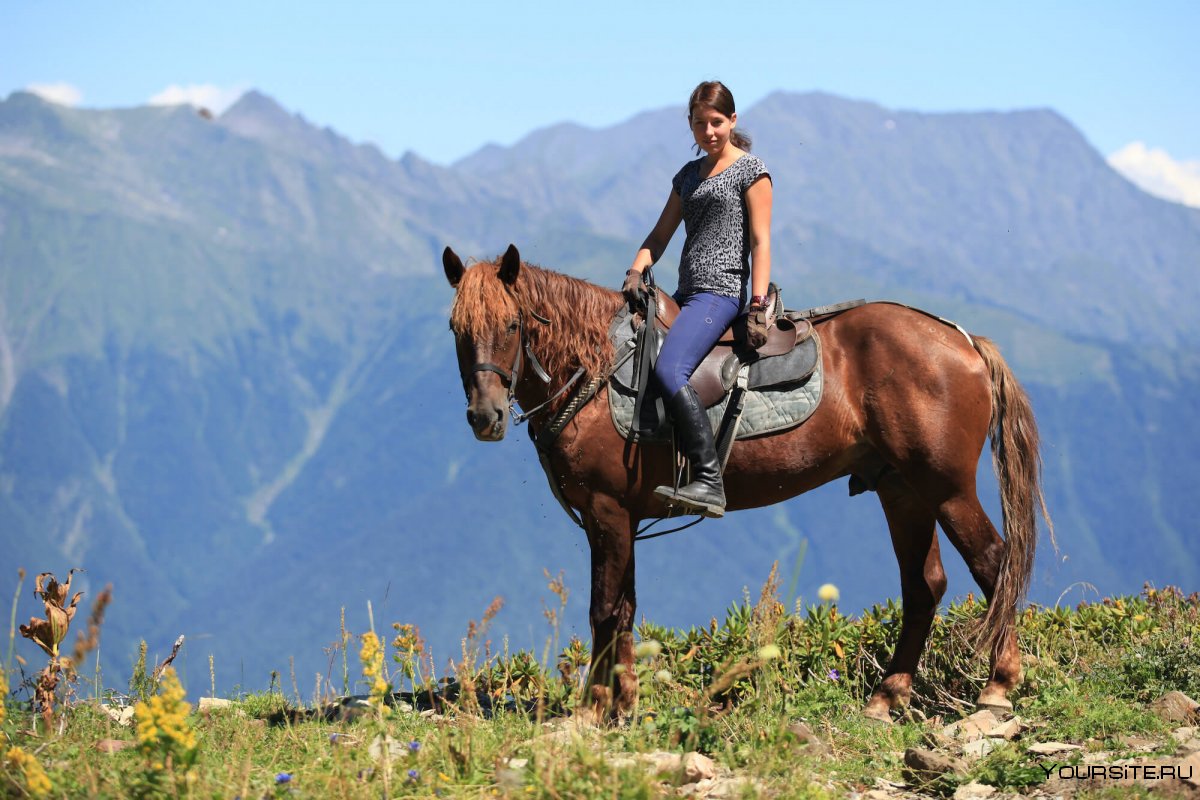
(226, 384)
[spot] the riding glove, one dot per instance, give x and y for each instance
(756, 326)
(633, 290)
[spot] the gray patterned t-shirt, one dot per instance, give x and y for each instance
(716, 252)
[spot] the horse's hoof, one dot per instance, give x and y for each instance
(878, 712)
(996, 703)
(585, 718)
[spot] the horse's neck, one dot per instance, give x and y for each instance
(568, 325)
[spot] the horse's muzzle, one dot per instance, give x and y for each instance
(487, 422)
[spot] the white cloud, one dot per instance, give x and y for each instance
(1155, 172)
(200, 95)
(64, 94)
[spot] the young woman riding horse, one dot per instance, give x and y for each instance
(724, 200)
(908, 402)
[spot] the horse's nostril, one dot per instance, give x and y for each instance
(472, 417)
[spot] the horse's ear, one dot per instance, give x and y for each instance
(453, 266)
(510, 265)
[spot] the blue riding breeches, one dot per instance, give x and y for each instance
(703, 317)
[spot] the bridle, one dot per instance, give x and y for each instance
(511, 375)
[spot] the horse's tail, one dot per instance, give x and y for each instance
(1018, 464)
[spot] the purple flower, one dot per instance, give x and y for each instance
(414, 746)
(834, 674)
(413, 775)
(283, 777)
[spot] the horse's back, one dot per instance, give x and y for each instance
(884, 336)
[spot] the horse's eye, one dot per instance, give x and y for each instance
(512, 327)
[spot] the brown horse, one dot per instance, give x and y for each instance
(906, 397)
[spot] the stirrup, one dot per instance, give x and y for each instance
(676, 500)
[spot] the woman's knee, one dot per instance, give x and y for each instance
(670, 376)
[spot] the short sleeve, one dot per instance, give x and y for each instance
(754, 169)
(677, 181)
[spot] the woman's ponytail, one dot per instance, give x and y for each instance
(740, 139)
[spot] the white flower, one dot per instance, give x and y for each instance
(648, 649)
(769, 652)
(828, 593)
(663, 676)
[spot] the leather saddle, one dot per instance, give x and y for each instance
(789, 354)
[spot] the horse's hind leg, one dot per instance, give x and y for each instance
(973, 535)
(613, 602)
(922, 583)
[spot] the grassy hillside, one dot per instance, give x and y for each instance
(763, 704)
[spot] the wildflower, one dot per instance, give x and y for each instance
(408, 640)
(162, 726)
(648, 649)
(414, 746)
(48, 633)
(17, 760)
(618, 669)
(414, 776)
(828, 593)
(769, 652)
(371, 656)
(165, 737)
(283, 777)
(663, 676)
(834, 675)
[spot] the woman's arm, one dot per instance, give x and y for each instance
(668, 222)
(758, 204)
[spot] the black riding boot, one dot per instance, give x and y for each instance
(706, 493)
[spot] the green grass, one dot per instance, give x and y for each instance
(1090, 672)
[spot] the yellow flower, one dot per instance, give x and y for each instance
(36, 782)
(828, 593)
(371, 656)
(408, 638)
(3, 694)
(163, 729)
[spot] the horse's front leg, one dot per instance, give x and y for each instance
(610, 533)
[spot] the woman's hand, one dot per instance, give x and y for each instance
(756, 326)
(633, 291)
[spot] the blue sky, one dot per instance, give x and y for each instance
(444, 78)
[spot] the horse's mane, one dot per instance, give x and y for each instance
(579, 313)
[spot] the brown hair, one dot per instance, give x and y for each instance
(716, 95)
